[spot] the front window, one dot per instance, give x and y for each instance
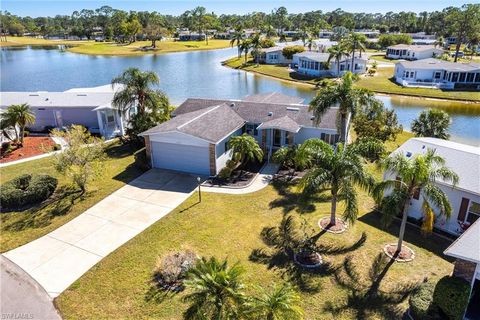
(438, 75)
(251, 129)
(473, 212)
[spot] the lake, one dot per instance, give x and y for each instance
(192, 74)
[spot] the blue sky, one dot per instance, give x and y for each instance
(36, 8)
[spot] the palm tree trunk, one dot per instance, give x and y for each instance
(22, 134)
(402, 226)
(333, 209)
(353, 57)
(457, 48)
(343, 127)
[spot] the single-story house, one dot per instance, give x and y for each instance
(314, 64)
(325, 34)
(437, 74)
(89, 107)
(412, 52)
(466, 250)
(196, 139)
(274, 55)
(322, 45)
(191, 36)
(464, 197)
(369, 33)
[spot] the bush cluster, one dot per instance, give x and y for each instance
(288, 52)
(171, 269)
(451, 296)
(26, 189)
(421, 301)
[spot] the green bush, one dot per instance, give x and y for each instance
(267, 43)
(57, 147)
(421, 306)
(451, 296)
(288, 52)
(26, 189)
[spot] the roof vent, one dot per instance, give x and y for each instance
(33, 95)
(409, 154)
(232, 104)
(46, 99)
(81, 95)
(312, 118)
(270, 114)
(293, 109)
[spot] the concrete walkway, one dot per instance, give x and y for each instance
(59, 258)
(21, 297)
(260, 182)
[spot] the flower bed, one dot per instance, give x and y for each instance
(32, 146)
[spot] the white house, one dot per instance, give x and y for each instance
(274, 55)
(89, 107)
(464, 198)
(412, 52)
(196, 139)
(315, 64)
(437, 73)
(466, 250)
(322, 45)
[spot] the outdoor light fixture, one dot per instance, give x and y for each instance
(199, 190)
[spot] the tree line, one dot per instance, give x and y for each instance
(123, 25)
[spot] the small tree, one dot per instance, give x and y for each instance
(432, 123)
(279, 303)
(82, 160)
(373, 120)
(288, 52)
(18, 115)
(247, 148)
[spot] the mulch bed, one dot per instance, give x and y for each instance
(308, 259)
(290, 174)
(339, 226)
(405, 255)
(32, 146)
(241, 177)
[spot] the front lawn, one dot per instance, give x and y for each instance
(230, 226)
(18, 228)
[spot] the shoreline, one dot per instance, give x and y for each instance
(380, 92)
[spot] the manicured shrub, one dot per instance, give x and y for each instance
(421, 306)
(171, 269)
(267, 43)
(451, 296)
(288, 52)
(26, 189)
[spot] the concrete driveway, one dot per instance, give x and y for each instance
(59, 258)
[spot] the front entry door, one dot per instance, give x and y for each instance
(277, 138)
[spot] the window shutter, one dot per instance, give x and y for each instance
(463, 209)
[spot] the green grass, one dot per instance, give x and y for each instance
(18, 228)
(29, 41)
(381, 58)
(379, 83)
(229, 226)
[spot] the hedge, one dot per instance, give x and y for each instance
(421, 301)
(26, 190)
(451, 296)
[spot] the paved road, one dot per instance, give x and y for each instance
(21, 297)
(59, 258)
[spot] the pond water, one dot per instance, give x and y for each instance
(192, 74)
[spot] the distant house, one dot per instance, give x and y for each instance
(466, 250)
(196, 139)
(369, 33)
(322, 45)
(325, 34)
(464, 197)
(315, 64)
(437, 73)
(412, 52)
(89, 107)
(274, 55)
(292, 33)
(191, 36)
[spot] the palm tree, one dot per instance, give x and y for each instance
(216, 290)
(238, 37)
(256, 45)
(245, 46)
(340, 170)
(343, 94)
(337, 52)
(18, 115)
(439, 42)
(311, 43)
(353, 42)
(414, 176)
(137, 90)
(247, 148)
(277, 304)
(432, 123)
(282, 38)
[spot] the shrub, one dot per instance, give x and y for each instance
(57, 147)
(421, 306)
(288, 52)
(225, 173)
(171, 269)
(451, 296)
(141, 160)
(267, 43)
(26, 189)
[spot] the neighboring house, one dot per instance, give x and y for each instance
(292, 33)
(89, 107)
(191, 36)
(370, 34)
(465, 196)
(437, 73)
(196, 138)
(322, 45)
(466, 250)
(325, 34)
(314, 64)
(274, 55)
(412, 52)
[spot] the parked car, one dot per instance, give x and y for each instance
(461, 54)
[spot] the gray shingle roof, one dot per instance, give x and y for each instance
(283, 123)
(314, 56)
(436, 64)
(273, 97)
(210, 123)
(256, 112)
(467, 246)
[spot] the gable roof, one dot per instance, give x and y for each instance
(461, 158)
(273, 97)
(259, 112)
(282, 123)
(436, 64)
(467, 246)
(211, 123)
(314, 56)
(417, 48)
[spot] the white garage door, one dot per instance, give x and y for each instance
(181, 157)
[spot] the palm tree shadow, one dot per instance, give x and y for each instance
(365, 296)
(59, 204)
(157, 293)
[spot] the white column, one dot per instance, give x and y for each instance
(100, 123)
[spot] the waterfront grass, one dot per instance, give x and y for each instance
(229, 226)
(20, 227)
(380, 83)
